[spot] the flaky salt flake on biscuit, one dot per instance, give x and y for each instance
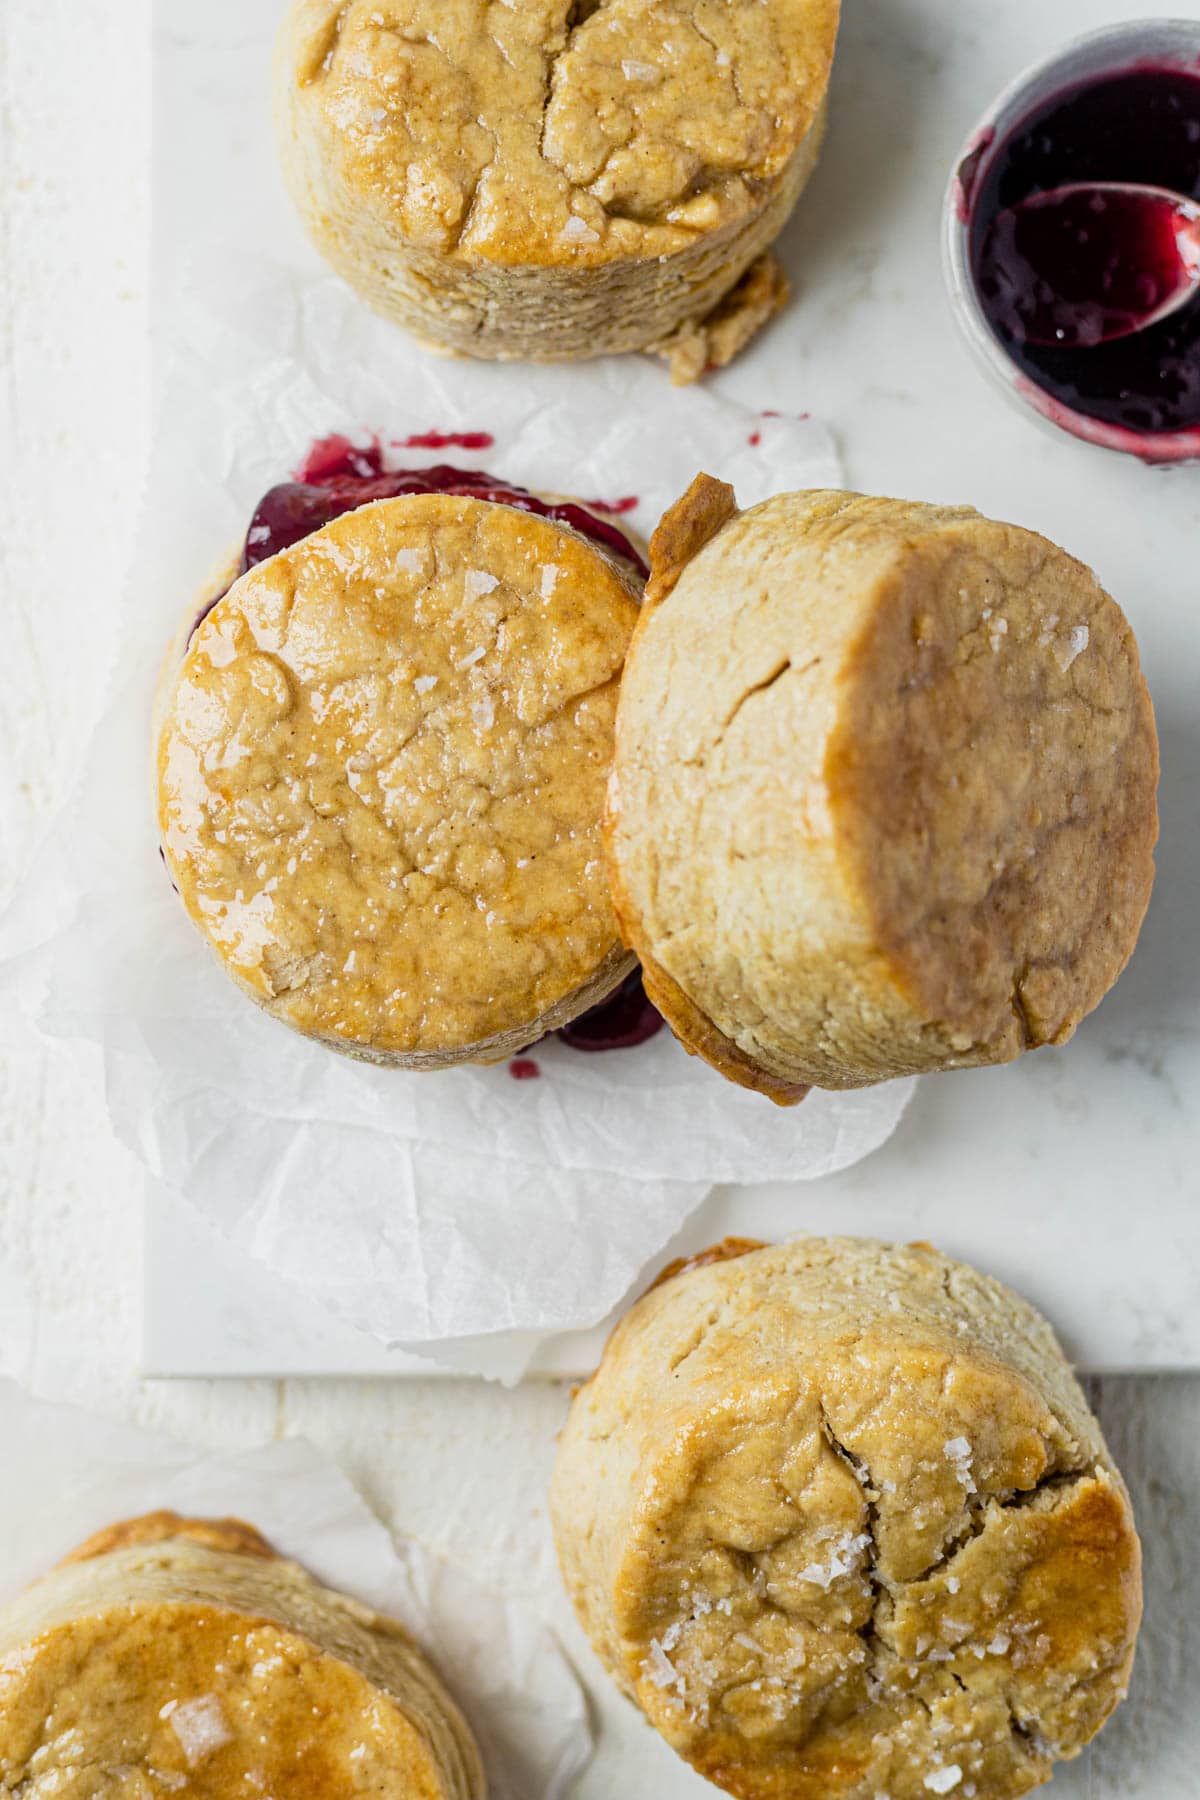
(836, 1516)
(171, 1654)
(558, 179)
(381, 766)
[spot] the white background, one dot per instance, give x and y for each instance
(462, 1466)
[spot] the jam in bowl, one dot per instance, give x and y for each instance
(1072, 288)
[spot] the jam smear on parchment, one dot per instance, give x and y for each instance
(338, 476)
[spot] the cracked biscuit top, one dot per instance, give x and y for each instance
(836, 1514)
(884, 789)
(577, 131)
(177, 1656)
(380, 775)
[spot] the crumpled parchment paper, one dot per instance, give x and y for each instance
(420, 1207)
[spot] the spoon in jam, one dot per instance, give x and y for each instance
(1091, 262)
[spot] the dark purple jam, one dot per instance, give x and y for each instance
(621, 1022)
(1081, 266)
(1139, 125)
(338, 476)
(626, 1018)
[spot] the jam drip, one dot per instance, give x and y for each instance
(1138, 125)
(626, 1018)
(338, 476)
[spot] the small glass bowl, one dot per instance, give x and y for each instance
(1164, 42)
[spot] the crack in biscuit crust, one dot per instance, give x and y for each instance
(551, 180)
(837, 1517)
(381, 771)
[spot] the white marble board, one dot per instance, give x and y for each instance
(1074, 1173)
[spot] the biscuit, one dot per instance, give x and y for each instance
(380, 774)
(558, 179)
(884, 790)
(836, 1516)
(182, 1654)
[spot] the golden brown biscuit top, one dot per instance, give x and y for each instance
(173, 1698)
(381, 772)
(559, 131)
(727, 1250)
(873, 1541)
(232, 1536)
(172, 1655)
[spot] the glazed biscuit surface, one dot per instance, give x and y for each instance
(230, 1535)
(381, 772)
(174, 1665)
(884, 788)
(574, 131)
(836, 1515)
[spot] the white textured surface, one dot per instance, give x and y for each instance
(250, 369)
(459, 1465)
